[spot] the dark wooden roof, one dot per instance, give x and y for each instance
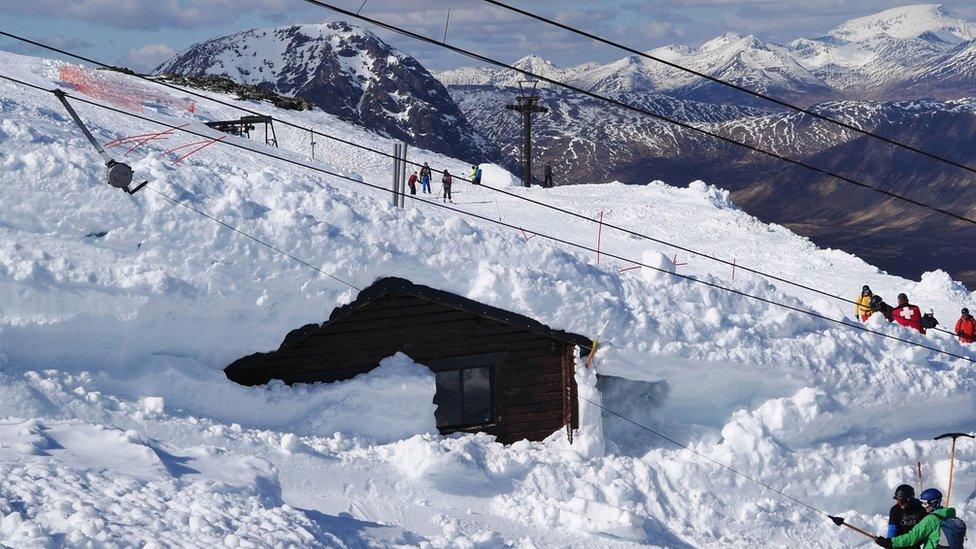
(393, 286)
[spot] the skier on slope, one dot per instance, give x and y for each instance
(412, 182)
(907, 314)
(905, 513)
(863, 309)
(966, 327)
(929, 321)
(548, 176)
(447, 180)
(475, 175)
(878, 305)
(425, 177)
(939, 528)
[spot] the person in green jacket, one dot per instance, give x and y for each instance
(928, 531)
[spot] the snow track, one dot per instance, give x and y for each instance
(117, 314)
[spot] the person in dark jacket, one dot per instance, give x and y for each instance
(878, 304)
(966, 327)
(412, 182)
(929, 321)
(907, 314)
(548, 172)
(447, 181)
(905, 513)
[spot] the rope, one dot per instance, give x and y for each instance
(508, 225)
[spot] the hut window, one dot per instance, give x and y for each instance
(463, 397)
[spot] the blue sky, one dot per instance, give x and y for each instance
(142, 33)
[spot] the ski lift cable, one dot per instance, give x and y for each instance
(486, 186)
(490, 220)
(732, 85)
(489, 60)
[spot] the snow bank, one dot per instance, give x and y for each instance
(393, 401)
(497, 176)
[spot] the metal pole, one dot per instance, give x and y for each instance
(527, 142)
(396, 171)
(403, 176)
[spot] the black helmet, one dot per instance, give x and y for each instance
(902, 297)
(965, 311)
(866, 289)
(904, 492)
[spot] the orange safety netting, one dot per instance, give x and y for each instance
(115, 89)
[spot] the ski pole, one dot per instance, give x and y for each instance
(952, 459)
(839, 521)
(918, 464)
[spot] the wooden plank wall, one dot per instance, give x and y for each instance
(531, 387)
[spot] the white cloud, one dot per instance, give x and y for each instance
(142, 14)
(145, 58)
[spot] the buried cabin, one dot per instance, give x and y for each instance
(496, 371)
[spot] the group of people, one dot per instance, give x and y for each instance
(922, 522)
(911, 315)
(425, 175)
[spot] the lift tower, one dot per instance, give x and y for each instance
(527, 104)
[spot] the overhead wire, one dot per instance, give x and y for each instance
(731, 85)
(688, 126)
(490, 220)
(517, 196)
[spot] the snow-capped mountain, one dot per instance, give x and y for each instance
(932, 21)
(347, 71)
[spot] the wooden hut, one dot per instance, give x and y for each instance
(496, 371)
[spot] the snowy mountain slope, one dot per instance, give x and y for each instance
(121, 338)
(345, 70)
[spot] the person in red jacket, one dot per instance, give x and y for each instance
(966, 327)
(907, 314)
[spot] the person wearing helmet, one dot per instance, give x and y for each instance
(905, 513)
(907, 314)
(966, 327)
(929, 321)
(863, 309)
(939, 528)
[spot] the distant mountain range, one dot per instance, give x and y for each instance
(907, 73)
(902, 53)
(344, 70)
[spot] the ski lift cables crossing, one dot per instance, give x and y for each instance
(616, 102)
(565, 211)
(493, 221)
(726, 83)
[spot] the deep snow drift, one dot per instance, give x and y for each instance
(117, 314)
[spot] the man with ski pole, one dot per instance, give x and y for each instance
(905, 513)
